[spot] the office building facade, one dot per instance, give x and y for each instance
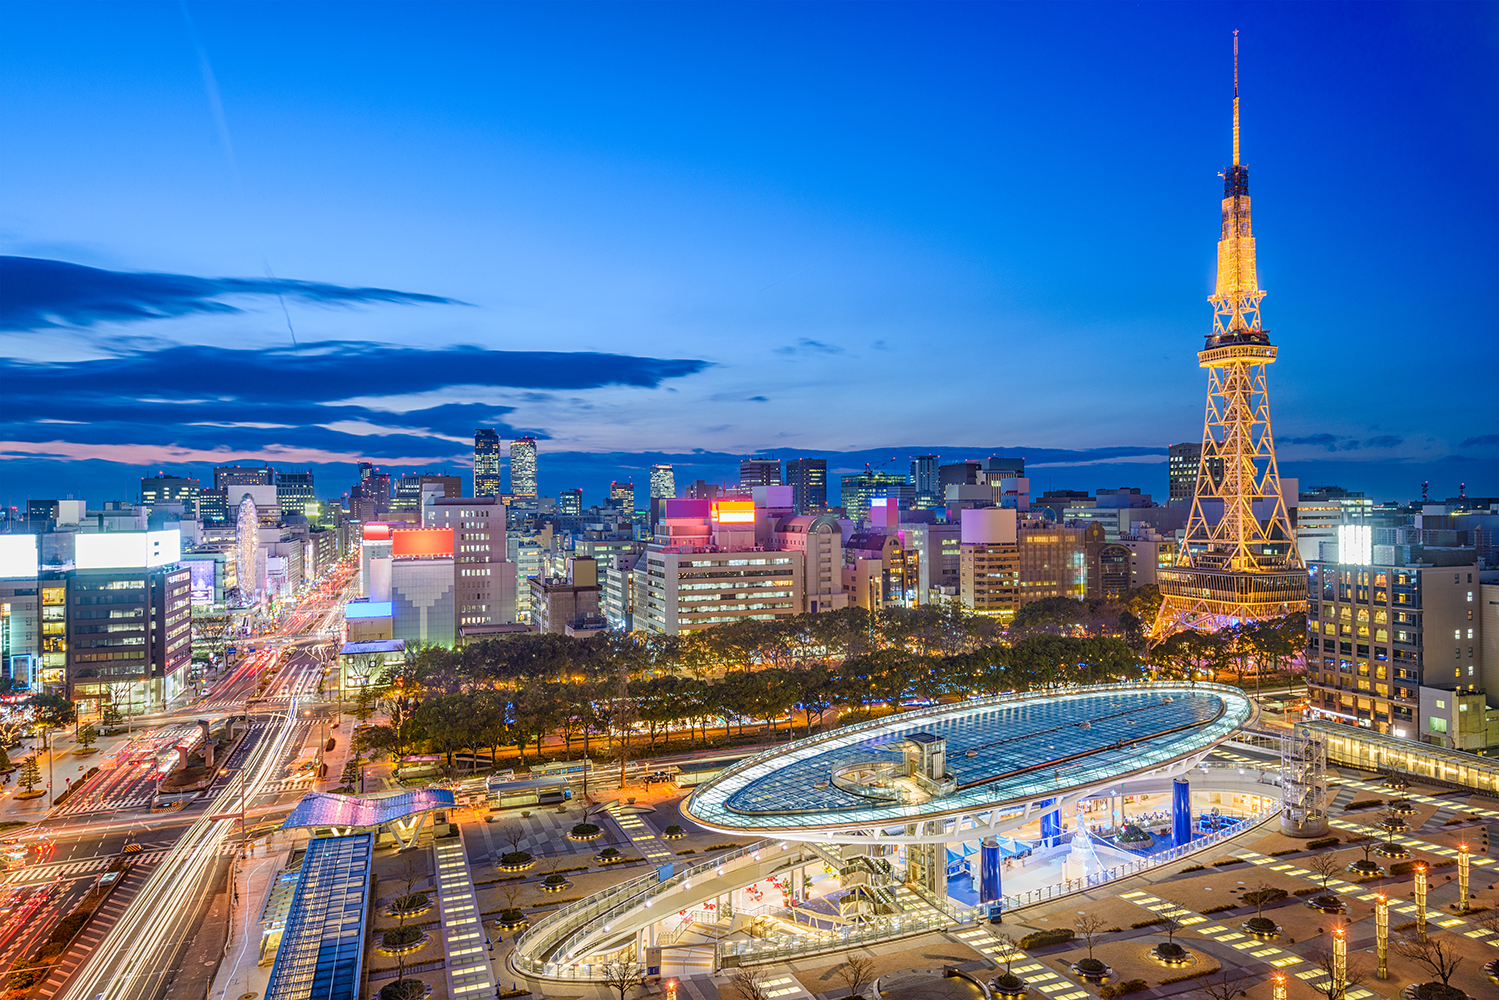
(759, 472)
(483, 580)
(164, 490)
(808, 479)
(663, 482)
(295, 493)
(487, 463)
(523, 467)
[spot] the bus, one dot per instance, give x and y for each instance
(521, 794)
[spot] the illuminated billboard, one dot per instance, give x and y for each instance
(17, 556)
(376, 532)
(1355, 544)
(422, 542)
(368, 609)
(203, 572)
(734, 511)
(127, 549)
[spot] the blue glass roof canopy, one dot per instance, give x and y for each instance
(321, 955)
(1010, 749)
(362, 812)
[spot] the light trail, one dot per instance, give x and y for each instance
(135, 959)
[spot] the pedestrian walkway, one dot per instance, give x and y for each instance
(1254, 947)
(641, 836)
(464, 943)
(1052, 985)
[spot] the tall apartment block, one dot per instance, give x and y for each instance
(158, 491)
(483, 580)
(523, 467)
(486, 462)
(808, 479)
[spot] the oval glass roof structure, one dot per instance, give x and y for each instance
(1007, 750)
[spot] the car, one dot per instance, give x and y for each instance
(659, 777)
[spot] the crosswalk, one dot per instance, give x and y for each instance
(1052, 985)
(137, 799)
(77, 869)
(93, 933)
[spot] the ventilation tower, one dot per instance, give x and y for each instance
(1238, 561)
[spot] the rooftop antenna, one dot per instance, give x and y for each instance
(1425, 485)
(1462, 491)
(1236, 97)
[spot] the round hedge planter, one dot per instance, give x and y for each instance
(583, 832)
(1433, 991)
(1390, 849)
(555, 883)
(420, 904)
(1009, 987)
(392, 943)
(1092, 970)
(516, 861)
(1327, 904)
(513, 920)
(608, 856)
(673, 832)
(1173, 955)
(1261, 927)
(1365, 869)
(405, 989)
(1403, 807)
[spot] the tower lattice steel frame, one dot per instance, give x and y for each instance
(1235, 566)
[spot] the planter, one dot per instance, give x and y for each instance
(1365, 869)
(405, 989)
(1433, 991)
(584, 832)
(1492, 970)
(1403, 807)
(405, 949)
(33, 794)
(513, 920)
(1171, 954)
(1390, 849)
(609, 856)
(1327, 904)
(515, 861)
(1261, 927)
(555, 883)
(1092, 970)
(1009, 987)
(673, 832)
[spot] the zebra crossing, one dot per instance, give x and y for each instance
(78, 869)
(138, 798)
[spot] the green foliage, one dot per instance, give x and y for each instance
(1264, 896)
(1111, 990)
(51, 710)
(1228, 861)
(403, 989)
(1221, 909)
(88, 735)
(1040, 939)
(111, 715)
(584, 829)
(400, 937)
(31, 774)
(1321, 842)
(1187, 977)
(411, 903)
(1363, 804)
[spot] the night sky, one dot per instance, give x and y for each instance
(317, 234)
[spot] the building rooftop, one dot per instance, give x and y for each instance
(1007, 750)
(322, 945)
(365, 812)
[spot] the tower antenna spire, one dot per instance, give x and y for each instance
(1236, 97)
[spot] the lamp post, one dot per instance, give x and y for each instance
(1339, 962)
(1421, 901)
(1463, 858)
(1382, 935)
(1280, 987)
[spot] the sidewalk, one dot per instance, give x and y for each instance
(240, 972)
(65, 765)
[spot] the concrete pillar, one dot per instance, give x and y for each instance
(1181, 812)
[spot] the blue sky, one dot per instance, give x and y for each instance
(311, 234)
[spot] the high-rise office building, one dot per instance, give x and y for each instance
(159, 490)
(570, 502)
(622, 495)
(483, 581)
(663, 482)
(523, 467)
(1238, 561)
(1182, 461)
(486, 462)
(808, 479)
(861, 486)
(924, 477)
(407, 500)
(294, 492)
(759, 472)
(237, 475)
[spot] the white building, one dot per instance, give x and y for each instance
(484, 580)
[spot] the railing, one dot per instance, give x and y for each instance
(542, 950)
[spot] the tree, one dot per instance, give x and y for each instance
(1326, 868)
(1353, 975)
(52, 710)
(350, 775)
(408, 875)
(621, 976)
(1089, 927)
(1225, 986)
(748, 983)
(4, 760)
(31, 774)
(1259, 894)
(1437, 955)
(111, 715)
(856, 972)
(88, 736)
(512, 833)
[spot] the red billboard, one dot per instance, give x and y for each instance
(421, 542)
(376, 532)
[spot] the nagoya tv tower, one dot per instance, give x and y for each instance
(1238, 561)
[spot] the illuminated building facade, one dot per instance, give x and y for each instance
(570, 503)
(759, 472)
(523, 467)
(924, 476)
(808, 479)
(1238, 560)
(1182, 461)
(1059, 560)
(622, 496)
(158, 491)
(295, 493)
(663, 482)
(423, 594)
(483, 580)
(1377, 635)
(486, 462)
(860, 487)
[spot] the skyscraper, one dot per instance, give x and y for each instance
(1232, 566)
(165, 489)
(861, 486)
(759, 472)
(570, 502)
(924, 478)
(808, 479)
(1182, 461)
(294, 492)
(523, 467)
(622, 495)
(486, 462)
(663, 482)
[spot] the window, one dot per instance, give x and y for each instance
(1439, 725)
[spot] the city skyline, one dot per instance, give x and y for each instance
(754, 300)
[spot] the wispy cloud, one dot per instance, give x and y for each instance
(36, 293)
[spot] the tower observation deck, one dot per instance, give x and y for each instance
(1238, 561)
